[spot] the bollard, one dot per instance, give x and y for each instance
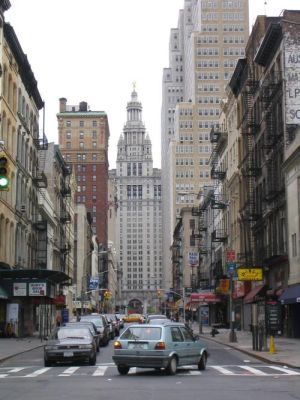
(272, 349)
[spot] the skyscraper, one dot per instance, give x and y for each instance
(83, 137)
(139, 213)
(203, 51)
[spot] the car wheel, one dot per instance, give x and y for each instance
(202, 362)
(92, 361)
(123, 369)
(47, 363)
(172, 367)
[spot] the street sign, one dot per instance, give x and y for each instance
(250, 274)
(94, 282)
(231, 268)
(193, 257)
(230, 255)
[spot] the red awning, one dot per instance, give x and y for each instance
(204, 297)
(253, 295)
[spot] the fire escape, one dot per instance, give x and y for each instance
(65, 217)
(203, 250)
(40, 224)
(218, 139)
(250, 168)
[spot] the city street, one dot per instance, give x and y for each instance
(229, 375)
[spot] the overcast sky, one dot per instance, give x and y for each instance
(93, 50)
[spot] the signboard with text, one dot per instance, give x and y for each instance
(37, 288)
(20, 289)
(230, 255)
(292, 78)
(250, 274)
(193, 257)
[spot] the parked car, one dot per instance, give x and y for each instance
(155, 316)
(91, 326)
(133, 318)
(121, 320)
(70, 344)
(115, 323)
(110, 326)
(158, 346)
(101, 325)
(159, 321)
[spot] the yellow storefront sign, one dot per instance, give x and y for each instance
(250, 274)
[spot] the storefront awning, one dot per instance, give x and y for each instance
(290, 295)
(53, 276)
(204, 297)
(3, 294)
(255, 294)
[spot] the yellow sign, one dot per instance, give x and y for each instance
(250, 274)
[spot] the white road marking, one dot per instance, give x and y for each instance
(3, 375)
(100, 371)
(16, 369)
(253, 370)
(223, 370)
(284, 370)
(38, 372)
(69, 371)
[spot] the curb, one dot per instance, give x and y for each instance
(20, 352)
(249, 353)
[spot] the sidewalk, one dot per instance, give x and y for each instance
(287, 350)
(14, 346)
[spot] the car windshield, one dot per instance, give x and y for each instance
(156, 317)
(73, 333)
(97, 321)
(158, 321)
(141, 333)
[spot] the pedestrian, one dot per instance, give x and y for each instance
(58, 320)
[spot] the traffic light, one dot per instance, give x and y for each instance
(4, 172)
(107, 295)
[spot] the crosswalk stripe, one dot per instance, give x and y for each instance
(69, 371)
(37, 372)
(3, 375)
(285, 370)
(100, 371)
(18, 369)
(253, 370)
(222, 370)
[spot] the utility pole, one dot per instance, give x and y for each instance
(232, 334)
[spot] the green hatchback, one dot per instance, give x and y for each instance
(167, 346)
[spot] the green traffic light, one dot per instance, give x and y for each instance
(3, 182)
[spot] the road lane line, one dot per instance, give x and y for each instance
(3, 375)
(223, 371)
(37, 372)
(285, 370)
(69, 371)
(253, 370)
(100, 371)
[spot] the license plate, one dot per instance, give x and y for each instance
(68, 354)
(137, 346)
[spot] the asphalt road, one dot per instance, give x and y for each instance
(230, 375)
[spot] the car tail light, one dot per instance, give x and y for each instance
(117, 345)
(160, 346)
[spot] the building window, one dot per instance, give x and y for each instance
(68, 145)
(81, 145)
(94, 123)
(94, 145)
(94, 168)
(294, 245)
(94, 188)
(94, 135)
(81, 123)
(94, 178)
(94, 199)
(94, 157)
(68, 123)
(68, 135)
(81, 135)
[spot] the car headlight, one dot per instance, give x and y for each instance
(85, 346)
(51, 347)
